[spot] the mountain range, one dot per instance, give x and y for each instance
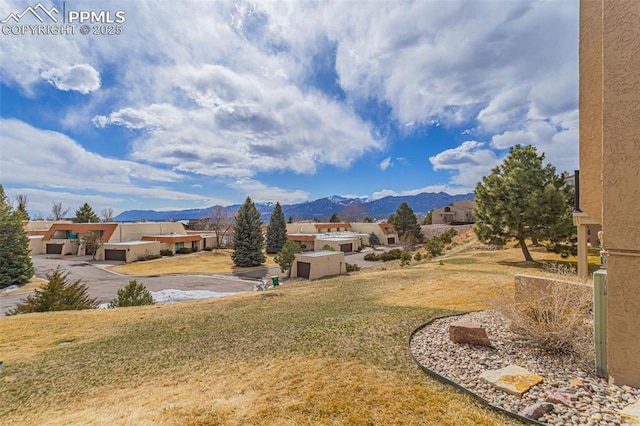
(320, 209)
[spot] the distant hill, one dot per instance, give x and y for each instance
(320, 209)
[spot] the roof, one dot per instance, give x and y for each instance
(332, 225)
(173, 238)
(320, 253)
(129, 243)
(82, 228)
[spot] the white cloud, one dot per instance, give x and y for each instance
(259, 192)
(385, 164)
(467, 162)
(82, 78)
(39, 200)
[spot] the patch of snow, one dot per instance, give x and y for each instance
(170, 295)
(8, 289)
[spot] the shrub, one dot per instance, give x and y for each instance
(558, 320)
(417, 257)
(448, 235)
(184, 250)
(393, 254)
(434, 246)
(144, 257)
(352, 267)
(327, 247)
(371, 257)
(166, 252)
(207, 248)
(405, 258)
(134, 294)
(57, 295)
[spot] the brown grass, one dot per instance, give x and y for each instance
(204, 262)
(28, 287)
(326, 352)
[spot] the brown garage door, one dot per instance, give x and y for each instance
(54, 248)
(304, 269)
(346, 247)
(115, 255)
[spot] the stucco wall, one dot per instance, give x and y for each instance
(330, 263)
(135, 231)
(591, 108)
(621, 185)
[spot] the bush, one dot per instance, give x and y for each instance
(134, 294)
(371, 257)
(144, 257)
(352, 268)
(448, 235)
(434, 246)
(417, 257)
(184, 250)
(57, 295)
(327, 247)
(393, 254)
(405, 258)
(558, 320)
(166, 252)
(207, 249)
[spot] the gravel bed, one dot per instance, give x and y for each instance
(596, 401)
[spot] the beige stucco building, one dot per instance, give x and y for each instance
(609, 179)
(120, 241)
(345, 237)
(459, 212)
(318, 264)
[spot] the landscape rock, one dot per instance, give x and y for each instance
(537, 410)
(576, 383)
(564, 398)
(631, 414)
(470, 332)
(512, 379)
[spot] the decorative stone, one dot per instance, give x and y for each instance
(512, 379)
(631, 414)
(576, 383)
(470, 332)
(562, 398)
(537, 410)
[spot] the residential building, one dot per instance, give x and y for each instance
(609, 183)
(344, 237)
(459, 212)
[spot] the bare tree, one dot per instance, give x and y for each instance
(107, 215)
(353, 212)
(220, 222)
(21, 208)
(58, 211)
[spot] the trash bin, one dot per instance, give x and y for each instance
(274, 280)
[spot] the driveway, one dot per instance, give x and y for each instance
(104, 285)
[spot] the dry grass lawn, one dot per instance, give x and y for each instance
(326, 352)
(203, 262)
(33, 283)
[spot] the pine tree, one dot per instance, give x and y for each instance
(15, 264)
(85, 214)
(404, 220)
(276, 231)
(523, 199)
(248, 240)
(57, 295)
(134, 294)
(287, 255)
(334, 218)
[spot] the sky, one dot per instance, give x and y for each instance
(197, 103)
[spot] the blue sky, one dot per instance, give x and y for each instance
(202, 103)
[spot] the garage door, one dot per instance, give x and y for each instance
(115, 255)
(54, 248)
(346, 247)
(304, 269)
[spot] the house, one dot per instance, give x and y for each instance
(120, 241)
(608, 183)
(318, 264)
(345, 237)
(459, 212)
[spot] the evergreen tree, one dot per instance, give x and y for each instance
(15, 264)
(406, 222)
(134, 294)
(248, 240)
(276, 231)
(374, 240)
(85, 214)
(57, 295)
(334, 218)
(287, 255)
(523, 199)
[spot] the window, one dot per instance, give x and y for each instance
(179, 246)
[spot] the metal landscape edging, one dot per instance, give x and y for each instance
(458, 386)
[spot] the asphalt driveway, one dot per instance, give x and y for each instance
(104, 285)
